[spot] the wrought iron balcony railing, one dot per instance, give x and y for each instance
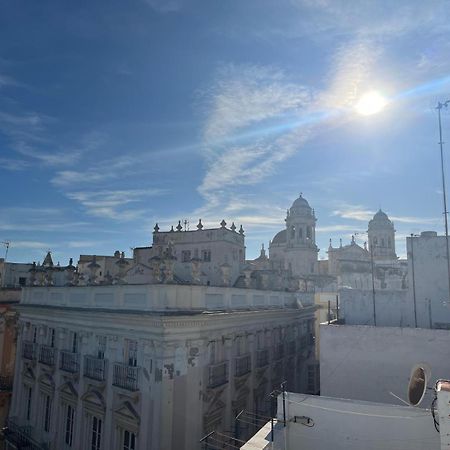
(278, 351)
(47, 355)
(262, 358)
(29, 350)
(126, 377)
(69, 362)
(290, 347)
(218, 374)
(22, 437)
(243, 365)
(94, 368)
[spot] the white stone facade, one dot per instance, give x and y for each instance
(152, 366)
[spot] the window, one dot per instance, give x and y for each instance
(389, 242)
(101, 347)
(47, 412)
(70, 419)
(129, 440)
(382, 242)
(74, 342)
(292, 232)
(300, 233)
(131, 353)
(22, 281)
(96, 433)
(29, 396)
(185, 256)
(308, 232)
(34, 334)
(51, 337)
(206, 255)
(212, 352)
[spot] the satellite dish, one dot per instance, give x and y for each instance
(417, 385)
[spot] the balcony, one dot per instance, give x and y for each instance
(304, 341)
(278, 351)
(243, 365)
(29, 350)
(69, 361)
(94, 368)
(22, 437)
(290, 347)
(262, 358)
(218, 374)
(47, 355)
(126, 377)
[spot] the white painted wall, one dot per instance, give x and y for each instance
(366, 362)
(428, 254)
(354, 425)
(392, 308)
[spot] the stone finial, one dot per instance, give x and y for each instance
(223, 223)
(156, 228)
(199, 225)
(179, 226)
(330, 246)
(233, 227)
(241, 230)
(353, 239)
(365, 245)
(340, 242)
(71, 262)
(171, 229)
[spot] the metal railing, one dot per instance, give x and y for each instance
(290, 347)
(94, 368)
(243, 365)
(21, 436)
(218, 374)
(262, 358)
(29, 350)
(47, 355)
(69, 362)
(126, 377)
(278, 351)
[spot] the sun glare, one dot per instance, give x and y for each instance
(370, 103)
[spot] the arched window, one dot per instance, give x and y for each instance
(292, 232)
(389, 242)
(375, 241)
(308, 232)
(382, 242)
(300, 233)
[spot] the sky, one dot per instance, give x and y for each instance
(115, 115)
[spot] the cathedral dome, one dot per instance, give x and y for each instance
(279, 238)
(380, 219)
(300, 207)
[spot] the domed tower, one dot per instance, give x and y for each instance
(301, 250)
(382, 237)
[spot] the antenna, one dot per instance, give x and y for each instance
(6, 244)
(417, 385)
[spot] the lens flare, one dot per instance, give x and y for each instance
(370, 103)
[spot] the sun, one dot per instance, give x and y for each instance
(370, 103)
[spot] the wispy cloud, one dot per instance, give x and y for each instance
(360, 213)
(113, 204)
(13, 164)
(31, 244)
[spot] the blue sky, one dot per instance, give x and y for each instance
(115, 115)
